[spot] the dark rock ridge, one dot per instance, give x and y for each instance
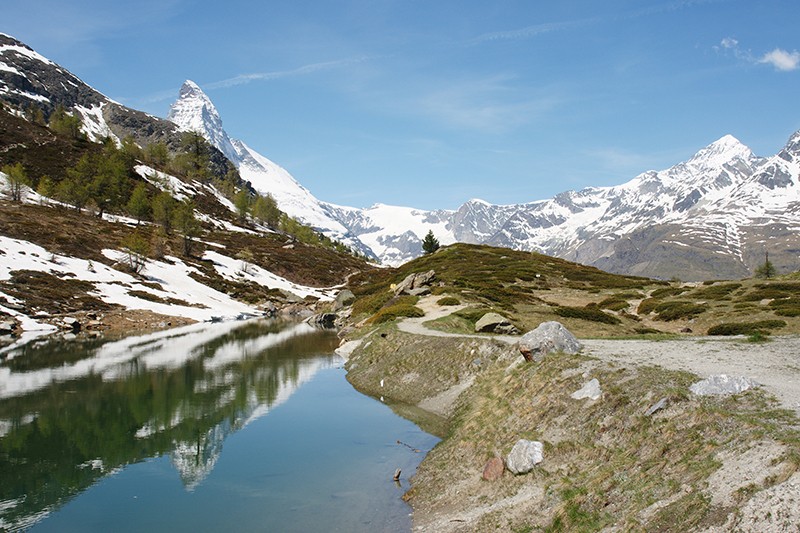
(30, 79)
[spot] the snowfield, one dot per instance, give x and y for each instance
(197, 301)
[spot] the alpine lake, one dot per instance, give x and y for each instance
(243, 426)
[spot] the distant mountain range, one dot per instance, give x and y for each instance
(713, 216)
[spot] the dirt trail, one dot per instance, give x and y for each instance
(416, 326)
(774, 364)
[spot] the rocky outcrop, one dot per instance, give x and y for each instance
(591, 390)
(323, 320)
(417, 284)
(494, 469)
(343, 299)
(495, 323)
(547, 338)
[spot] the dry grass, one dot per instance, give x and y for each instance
(605, 462)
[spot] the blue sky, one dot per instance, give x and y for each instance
(431, 103)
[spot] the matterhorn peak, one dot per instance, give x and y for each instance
(193, 111)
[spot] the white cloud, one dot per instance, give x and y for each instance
(306, 69)
(778, 58)
(491, 105)
(782, 60)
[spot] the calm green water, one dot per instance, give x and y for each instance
(241, 426)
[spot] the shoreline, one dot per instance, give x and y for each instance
(469, 377)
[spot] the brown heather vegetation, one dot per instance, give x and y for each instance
(530, 288)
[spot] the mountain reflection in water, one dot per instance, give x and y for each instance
(71, 413)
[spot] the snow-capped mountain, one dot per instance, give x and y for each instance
(705, 217)
(194, 111)
(712, 216)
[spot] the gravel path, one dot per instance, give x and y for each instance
(774, 364)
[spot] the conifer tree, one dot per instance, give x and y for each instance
(163, 205)
(65, 124)
(138, 204)
(186, 224)
(242, 202)
(46, 188)
(767, 269)
(430, 243)
(17, 178)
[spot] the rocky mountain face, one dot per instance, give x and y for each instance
(29, 79)
(713, 216)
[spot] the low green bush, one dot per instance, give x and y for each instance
(716, 292)
(764, 293)
(786, 307)
(473, 314)
(448, 300)
(614, 303)
(647, 306)
(677, 309)
(668, 291)
(593, 314)
(395, 311)
(745, 328)
(372, 303)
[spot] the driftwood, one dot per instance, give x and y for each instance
(415, 450)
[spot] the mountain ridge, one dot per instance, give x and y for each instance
(637, 227)
(715, 214)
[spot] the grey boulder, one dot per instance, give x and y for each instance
(547, 338)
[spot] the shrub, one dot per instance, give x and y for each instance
(788, 311)
(448, 300)
(473, 314)
(765, 293)
(745, 328)
(372, 303)
(647, 306)
(788, 286)
(647, 331)
(613, 303)
(716, 292)
(394, 311)
(668, 291)
(674, 310)
(593, 314)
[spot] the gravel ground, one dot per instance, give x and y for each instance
(774, 364)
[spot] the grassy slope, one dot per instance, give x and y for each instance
(530, 288)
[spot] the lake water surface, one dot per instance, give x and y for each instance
(247, 426)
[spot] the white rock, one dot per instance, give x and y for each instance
(719, 384)
(524, 456)
(591, 390)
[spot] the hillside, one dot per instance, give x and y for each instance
(193, 255)
(530, 288)
(646, 454)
